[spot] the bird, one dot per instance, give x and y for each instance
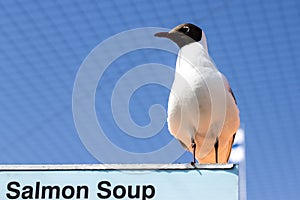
(202, 111)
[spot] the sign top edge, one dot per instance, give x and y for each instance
(186, 166)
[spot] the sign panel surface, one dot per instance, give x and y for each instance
(143, 183)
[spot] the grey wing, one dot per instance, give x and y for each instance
(228, 88)
(231, 92)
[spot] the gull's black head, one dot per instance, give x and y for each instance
(183, 34)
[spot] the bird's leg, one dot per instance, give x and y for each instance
(194, 152)
(216, 149)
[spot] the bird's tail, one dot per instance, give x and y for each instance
(224, 153)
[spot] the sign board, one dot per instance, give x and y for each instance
(146, 181)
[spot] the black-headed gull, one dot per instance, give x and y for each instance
(202, 110)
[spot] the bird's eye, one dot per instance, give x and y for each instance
(185, 29)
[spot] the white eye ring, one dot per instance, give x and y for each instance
(186, 29)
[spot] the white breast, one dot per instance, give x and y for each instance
(198, 99)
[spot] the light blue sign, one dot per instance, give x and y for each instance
(176, 182)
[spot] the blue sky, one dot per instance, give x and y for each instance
(254, 43)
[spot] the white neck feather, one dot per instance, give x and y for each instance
(194, 55)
